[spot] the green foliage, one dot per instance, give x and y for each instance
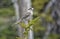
(35, 22)
(53, 36)
(8, 33)
(5, 3)
(6, 12)
(39, 4)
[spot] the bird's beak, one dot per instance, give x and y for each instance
(32, 8)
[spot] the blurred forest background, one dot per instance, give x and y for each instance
(7, 14)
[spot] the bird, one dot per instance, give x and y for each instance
(29, 13)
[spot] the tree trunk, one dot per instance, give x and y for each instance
(24, 6)
(20, 30)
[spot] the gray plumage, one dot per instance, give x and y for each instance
(26, 16)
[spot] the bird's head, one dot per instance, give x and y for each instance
(31, 9)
